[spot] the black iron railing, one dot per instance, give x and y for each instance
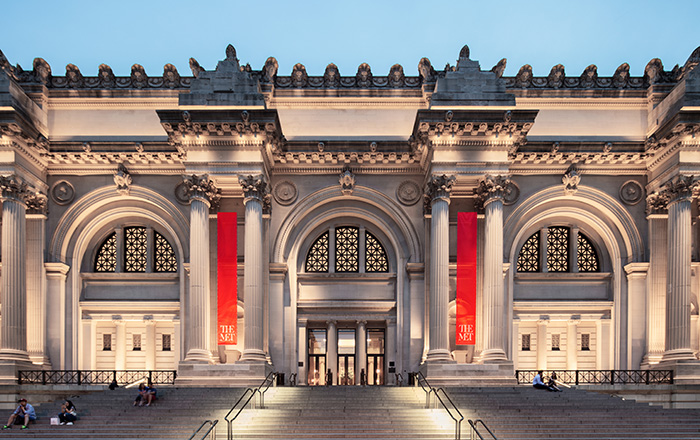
(601, 377)
(445, 401)
(206, 430)
(95, 377)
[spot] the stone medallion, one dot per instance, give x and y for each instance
(511, 193)
(181, 193)
(408, 193)
(62, 192)
(285, 193)
(631, 192)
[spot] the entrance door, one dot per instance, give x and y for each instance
(346, 356)
(317, 357)
(375, 357)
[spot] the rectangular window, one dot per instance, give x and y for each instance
(136, 342)
(166, 342)
(585, 342)
(107, 342)
(526, 342)
(555, 342)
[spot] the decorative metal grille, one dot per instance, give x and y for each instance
(136, 247)
(107, 342)
(585, 342)
(317, 258)
(136, 342)
(166, 342)
(598, 377)
(529, 256)
(558, 249)
(587, 259)
(525, 342)
(555, 342)
(165, 260)
(375, 255)
(106, 260)
(347, 249)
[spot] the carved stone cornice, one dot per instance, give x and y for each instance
(439, 188)
(657, 203)
(254, 188)
(14, 188)
(37, 203)
(202, 188)
(680, 188)
(490, 189)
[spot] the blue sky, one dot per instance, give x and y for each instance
(348, 33)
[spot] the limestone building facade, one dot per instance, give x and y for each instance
(347, 189)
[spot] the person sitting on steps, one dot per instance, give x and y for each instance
(23, 414)
(68, 413)
(537, 382)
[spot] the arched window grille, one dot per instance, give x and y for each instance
(558, 252)
(347, 252)
(135, 248)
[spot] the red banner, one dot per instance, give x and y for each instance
(227, 276)
(466, 278)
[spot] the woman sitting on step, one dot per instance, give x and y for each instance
(68, 413)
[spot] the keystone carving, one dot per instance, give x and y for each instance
(570, 180)
(347, 181)
(122, 178)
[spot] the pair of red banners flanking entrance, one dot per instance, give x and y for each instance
(227, 276)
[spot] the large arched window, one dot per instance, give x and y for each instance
(134, 251)
(564, 250)
(346, 249)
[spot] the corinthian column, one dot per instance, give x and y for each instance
(36, 279)
(13, 342)
(680, 194)
(490, 194)
(202, 194)
(657, 219)
(255, 194)
(438, 193)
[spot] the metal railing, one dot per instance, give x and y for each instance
(445, 401)
(247, 396)
(211, 430)
(475, 430)
(601, 377)
(94, 377)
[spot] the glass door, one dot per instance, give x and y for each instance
(375, 357)
(346, 356)
(317, 357)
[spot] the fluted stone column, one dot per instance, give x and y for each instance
(255, 195)
(680, 193)
(36, 280)
(332, 350)
(490, 193)
(361, 345)
(13, 339)
(438, 192)
(657, 219)
(202, 194)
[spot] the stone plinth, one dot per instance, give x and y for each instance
(240, 374)
(453, 374)
(685, 372)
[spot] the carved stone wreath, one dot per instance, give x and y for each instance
(408, 193)
(285, 193)
(631, 192)
(181, 194)
(62, 192)
(511, 193)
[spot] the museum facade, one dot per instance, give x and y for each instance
(341, 195)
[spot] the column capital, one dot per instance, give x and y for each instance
(491, 188)
(254, 188)
(37, 203)
(201, 187)
(680, 188)
(331, 322)
(14, 188)
(438, 188)
(657, 203)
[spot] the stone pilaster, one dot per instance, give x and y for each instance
(657, 219)
(120, 344)
(255, 194)
(150, 343)
(202, 194)
(542, 343)
(361, 339)
(680, 194)
(438, 197)
(13, 339)
(572, 343)
(490, 195)
(36, 280)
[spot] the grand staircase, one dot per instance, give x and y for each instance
(309, 413)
